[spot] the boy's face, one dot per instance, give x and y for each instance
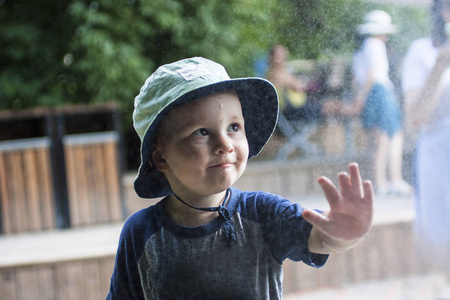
(201, 146)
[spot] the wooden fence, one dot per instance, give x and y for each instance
(26, 196)
(77, 280)
(68, 174)
(93, 178)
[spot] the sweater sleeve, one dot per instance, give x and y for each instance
(287, 232)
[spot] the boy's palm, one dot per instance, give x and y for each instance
(351, 208)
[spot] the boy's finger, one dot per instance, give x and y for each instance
(355, 178)
(344, 183)
(368, 198)
(368, 191)
(329, 189)
(313, 217)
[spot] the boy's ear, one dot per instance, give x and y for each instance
(157, 159)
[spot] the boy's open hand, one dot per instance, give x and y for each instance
(349, 217)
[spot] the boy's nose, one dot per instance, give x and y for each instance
(223, 145)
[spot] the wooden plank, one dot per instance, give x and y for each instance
(90, 161)
(333, 266)
(32, 190)
(7, 285)
(70, 280)
(106, 187)
(26, 283)
(408, 261)
(101, 199)
(106, 267)
(10, 188)
(338, 270)
(91, 278)
(348, 272)
(374, 255)
(82, 195)
(361, 271)
(18, 196)
(46, 282)
(90, 182)
(113, 181)
(4, 196)
(385, 248)
(390, 240)
(290, 280)
(45, 192)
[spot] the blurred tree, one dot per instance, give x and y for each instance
(79, 51)
(319, 28)
(95, 51)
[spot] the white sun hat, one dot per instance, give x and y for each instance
(377, 22)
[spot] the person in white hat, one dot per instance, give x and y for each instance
(375, 101)
(206, 239)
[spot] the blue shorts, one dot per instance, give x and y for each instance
(381, 111)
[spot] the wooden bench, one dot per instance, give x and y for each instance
(60, 168)
(58, 264)
(93, 178)
(26, 196)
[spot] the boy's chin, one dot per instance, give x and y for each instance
(217, 189)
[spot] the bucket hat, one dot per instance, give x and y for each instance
(377, 22)
(182, 81)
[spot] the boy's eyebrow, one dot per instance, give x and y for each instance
(238, 117)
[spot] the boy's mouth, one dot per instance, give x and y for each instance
(225, 164)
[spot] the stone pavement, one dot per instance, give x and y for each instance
(428, 286)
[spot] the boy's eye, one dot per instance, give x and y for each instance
(201, 132)
(234, 127)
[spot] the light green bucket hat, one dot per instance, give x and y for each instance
(178, 83)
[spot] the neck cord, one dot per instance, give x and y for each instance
(224, 215)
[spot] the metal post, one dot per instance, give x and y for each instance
(56, 130)
(117, 121)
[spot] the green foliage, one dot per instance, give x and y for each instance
(79, 51)
(319, 28)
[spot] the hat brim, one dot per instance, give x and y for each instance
(259, 103)
(375, 29)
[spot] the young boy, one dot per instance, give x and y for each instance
(206, 239)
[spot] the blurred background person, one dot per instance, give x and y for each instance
(299, 99)
(374, 100)
(292, 91)
(426, 87)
